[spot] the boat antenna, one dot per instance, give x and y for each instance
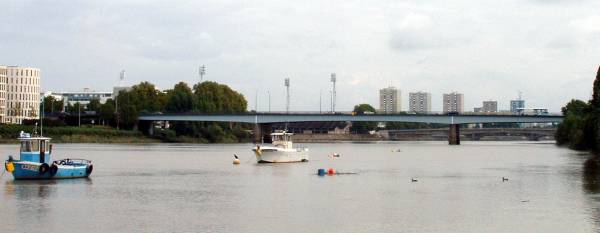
(35, 129)
(42, 119)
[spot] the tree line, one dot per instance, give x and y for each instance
(124, 110)
(580, 129)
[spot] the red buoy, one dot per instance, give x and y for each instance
(330, 171)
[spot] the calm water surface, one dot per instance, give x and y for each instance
(195, 188)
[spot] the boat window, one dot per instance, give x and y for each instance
(30, 146)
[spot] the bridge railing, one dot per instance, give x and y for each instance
(432, 113)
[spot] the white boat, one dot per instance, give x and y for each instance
(281, 150)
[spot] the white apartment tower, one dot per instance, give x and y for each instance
(454, 102)
(3, 81)
(390, 100)
(419, 102)
(23, 94)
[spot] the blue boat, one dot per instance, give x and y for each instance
(34, 162)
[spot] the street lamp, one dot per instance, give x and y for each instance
(269, 94)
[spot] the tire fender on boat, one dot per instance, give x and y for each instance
(89, 169)
(53, 169)
(43, 168)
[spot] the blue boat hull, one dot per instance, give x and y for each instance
(25, 170)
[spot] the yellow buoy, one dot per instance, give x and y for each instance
(10, 167)
(236, 161)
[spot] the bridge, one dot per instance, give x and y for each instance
(263, 121)
(472, 134)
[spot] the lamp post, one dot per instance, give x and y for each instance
(269, 94)
(79, 113)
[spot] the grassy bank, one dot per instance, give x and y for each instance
(84, 134)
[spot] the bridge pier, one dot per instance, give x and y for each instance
(146, 127)
(262, 133)
(454, 134)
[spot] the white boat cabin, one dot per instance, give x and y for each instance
(282, 140)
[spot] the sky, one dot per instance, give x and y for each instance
(488, 50)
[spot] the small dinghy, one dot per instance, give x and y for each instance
(34, 162)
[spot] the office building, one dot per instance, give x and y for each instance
(390, 100)
(515, 105)
(3, 86)
(490, 106)
(84, 97)
(22, 94)
(453, 102)
(419, 102)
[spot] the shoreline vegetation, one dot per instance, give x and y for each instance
(580, 129)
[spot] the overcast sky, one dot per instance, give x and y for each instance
(488, 50)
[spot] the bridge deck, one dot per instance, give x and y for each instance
(278, 118)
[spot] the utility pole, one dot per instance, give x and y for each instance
(79, 108)
(202, 72)
(320, 93)
(333, 80)
(287, 90)
(331, 101)
(121, 78)
(256, 101)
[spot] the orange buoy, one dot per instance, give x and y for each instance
(330, 171)
(236, 161)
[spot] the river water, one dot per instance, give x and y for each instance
(195, 188)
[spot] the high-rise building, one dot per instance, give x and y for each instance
(390, 100)
(3, 80)
(454, 102)
(517, 105)
(23, 94)
(490, 106)
(419, 102)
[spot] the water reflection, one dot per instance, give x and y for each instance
(28, 189)
(591, 185)
(591, 175)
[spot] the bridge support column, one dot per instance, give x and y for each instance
(146, 127)
(262, 133)
(454, 134)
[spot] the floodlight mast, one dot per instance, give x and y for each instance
(333, 93)
(287, 90)
(121, 79)
(201, 72)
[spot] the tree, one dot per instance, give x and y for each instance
(107, 112)
(580, 128)
(180, 99)
(575, 107)
(595, 102)
(211, 97)
(52, 105)
(143, 97)
(94, 105)
(363, 127)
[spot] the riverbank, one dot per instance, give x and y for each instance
(85, 134)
